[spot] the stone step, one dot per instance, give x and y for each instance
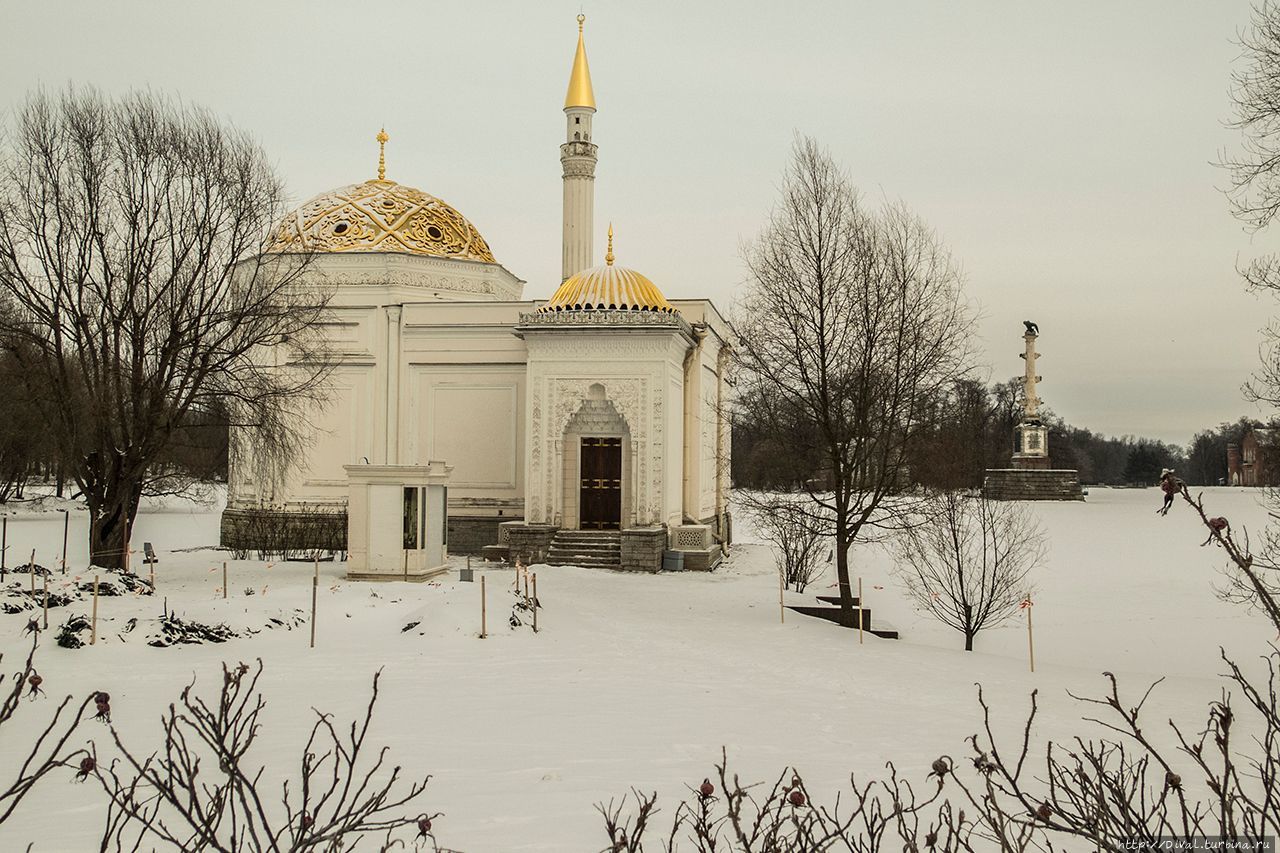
(584, 561)
(565, 554)
(568, 559)
(595, 549)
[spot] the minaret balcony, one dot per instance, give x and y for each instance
(578, 149)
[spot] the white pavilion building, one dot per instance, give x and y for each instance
(601, 410)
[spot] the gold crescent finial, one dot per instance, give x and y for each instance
(582, 19)
(608, 256)
(382, 153)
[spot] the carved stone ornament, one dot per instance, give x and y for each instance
(556, 400)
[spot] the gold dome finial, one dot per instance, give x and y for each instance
(608, 256)
(580, 93)
(382, 153)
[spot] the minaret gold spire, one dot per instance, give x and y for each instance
(578, 161)
(580, 93)
(382, 153)
(608, 256)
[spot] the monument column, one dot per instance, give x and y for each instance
(1032, 477)
(1031, 434)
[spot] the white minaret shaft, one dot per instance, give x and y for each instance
(578, 159)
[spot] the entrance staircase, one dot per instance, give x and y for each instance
(596, 549)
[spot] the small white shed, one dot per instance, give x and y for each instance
(397, 521)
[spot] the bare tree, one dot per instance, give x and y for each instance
(966, 562)
(131, 252)
(1253, 577)
(1254, 188)
(47, 750)
(201, 791)
(787, 523)
(852, 323)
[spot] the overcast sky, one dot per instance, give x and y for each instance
(1064, 151)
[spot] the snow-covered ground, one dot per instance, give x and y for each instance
(635, 679)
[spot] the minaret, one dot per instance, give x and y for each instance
(578, 157)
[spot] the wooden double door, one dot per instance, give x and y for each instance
(600, 496)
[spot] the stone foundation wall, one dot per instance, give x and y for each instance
(283, 530)
(1020, 484)
(702, 561)
(469, 534)
(299, 530)
(529, 543)
(642, 548)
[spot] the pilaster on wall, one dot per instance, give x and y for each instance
(391, 427)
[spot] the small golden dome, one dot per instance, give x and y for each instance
(381, 216)
(608, 287)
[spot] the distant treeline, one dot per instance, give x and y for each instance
(971, 430)
(196, 450)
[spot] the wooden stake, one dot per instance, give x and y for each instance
(861, 610)
(153, 576)
(315, 590)
(1031, 642)
(126, 543)
(4, 544)
(535, 603)
(483, 632)
(782, 608)
(526, 588)
(32, 566)
(93, 626)
(224, 578)
(66, 528)
(46, 602)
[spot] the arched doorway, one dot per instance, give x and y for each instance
(597, 485)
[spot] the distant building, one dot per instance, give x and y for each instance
(1247, 461)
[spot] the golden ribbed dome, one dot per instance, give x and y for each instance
(381, 216)
(608, 288)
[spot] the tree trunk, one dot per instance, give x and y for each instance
(968, 641)
(842, 574)
(108, 531)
